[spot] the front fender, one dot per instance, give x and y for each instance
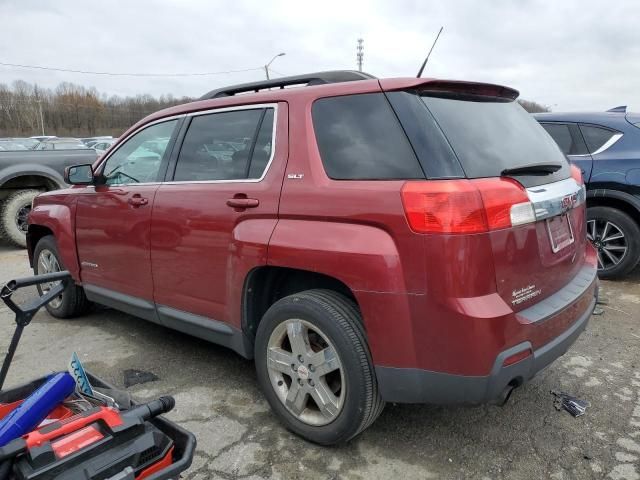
(59, 218)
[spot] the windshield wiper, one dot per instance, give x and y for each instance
(532, 169)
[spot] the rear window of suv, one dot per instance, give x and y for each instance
(490, 135)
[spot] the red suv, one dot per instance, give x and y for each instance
(366, 241)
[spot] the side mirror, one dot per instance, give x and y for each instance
(79, 174)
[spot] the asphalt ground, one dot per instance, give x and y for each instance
(238, 436)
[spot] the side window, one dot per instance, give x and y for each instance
(359, 138)
(138, 160)
(562, 135)
(596, 137)
(232, 145)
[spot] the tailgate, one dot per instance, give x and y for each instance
(535, 260)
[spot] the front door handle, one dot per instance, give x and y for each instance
(138, 201)
(242, 203)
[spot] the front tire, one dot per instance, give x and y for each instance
(46, 259)
(13, 216)
(314, 367)
(616, 238)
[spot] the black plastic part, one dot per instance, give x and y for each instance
(309, 79)
(412, 385)
(24, 314)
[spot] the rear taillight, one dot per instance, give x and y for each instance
(466, 206)
(576, 173)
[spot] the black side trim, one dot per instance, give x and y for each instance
(202, 327)
(207, 329)
(120, 301)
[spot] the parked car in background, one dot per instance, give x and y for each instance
(89, 141)
(42, 138)
(23, 175)
(403, 240)
(27, 143)
(606, 147)
(61, 144)
(102, 146)
(11, 145)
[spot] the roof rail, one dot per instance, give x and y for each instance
(308, 79)
(620, 109)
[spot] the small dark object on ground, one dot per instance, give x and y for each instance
(571, 404)
(137, 377)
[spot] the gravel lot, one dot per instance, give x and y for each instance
(238, 437)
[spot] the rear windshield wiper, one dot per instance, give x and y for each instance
(532, 169)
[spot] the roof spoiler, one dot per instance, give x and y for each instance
(620, 109)
(309, 79)
(468, 88)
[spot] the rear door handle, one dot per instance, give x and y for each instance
(138, 201)
(243, 203)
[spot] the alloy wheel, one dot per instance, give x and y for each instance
(609, 241)
(306, 372)
(48, 263)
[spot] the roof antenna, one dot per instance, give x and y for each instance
(429, 54)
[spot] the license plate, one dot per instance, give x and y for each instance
(560, 232)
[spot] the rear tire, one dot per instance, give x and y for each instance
(46, 259)
(604, 227)
(329, 320)
(13, 216)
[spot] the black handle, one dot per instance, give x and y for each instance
(25, 314)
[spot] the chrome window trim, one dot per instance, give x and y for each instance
(256, 106)
(609, 143)
(547, 199)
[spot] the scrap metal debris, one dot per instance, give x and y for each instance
(571, 404)
(137, 377)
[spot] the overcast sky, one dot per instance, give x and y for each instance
(569, 55)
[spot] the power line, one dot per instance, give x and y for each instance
(127, 74)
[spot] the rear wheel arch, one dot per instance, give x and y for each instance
(35, 180)
(619, 200)
(266, 285)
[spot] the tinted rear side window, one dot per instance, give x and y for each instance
(222, 146)
(561, 134)
(596, 137)
(359, 138)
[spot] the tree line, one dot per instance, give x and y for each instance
(74, 110)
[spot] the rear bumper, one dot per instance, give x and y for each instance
(412, 385)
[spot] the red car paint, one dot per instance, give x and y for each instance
(437, 302)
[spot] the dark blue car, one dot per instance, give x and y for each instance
(606, 146)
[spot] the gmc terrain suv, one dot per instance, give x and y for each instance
(606, 146)
(365, 240)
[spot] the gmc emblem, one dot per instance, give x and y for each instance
(569, 201)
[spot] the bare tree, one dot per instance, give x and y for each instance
(72, 110)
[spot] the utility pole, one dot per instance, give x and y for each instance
(41, 117)
(39, 102)
(360, 53)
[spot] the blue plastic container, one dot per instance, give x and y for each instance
(35, 408)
